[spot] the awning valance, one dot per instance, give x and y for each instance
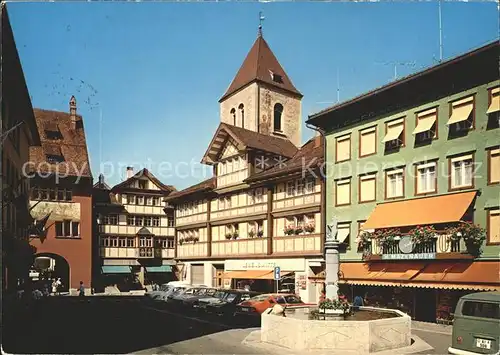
(161, 268)
(115, 269)
(380, 271)
(420, 211)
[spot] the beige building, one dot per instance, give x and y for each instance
(135, 231)
(261, 209)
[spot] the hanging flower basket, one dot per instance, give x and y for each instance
(289, 230)
(364, 240)
(310, 228)
(251, 233)
(235, 235)
(181, 241)
(229, 236)
(260, 233)
(298, 230)
(387, 237)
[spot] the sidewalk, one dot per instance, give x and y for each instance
(432, 327)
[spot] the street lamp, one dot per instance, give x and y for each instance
(332, 260)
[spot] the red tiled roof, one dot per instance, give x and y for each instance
(148, 174)
(257, 66)
(310, 155)
(72, 146)
(205, 185)
(250, 140)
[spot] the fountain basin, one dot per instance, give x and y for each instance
(297, 332)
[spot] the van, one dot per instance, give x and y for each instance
(476, 327)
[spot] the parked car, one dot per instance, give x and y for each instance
(175, 299)
(190, 300)
(476, 324)
(154, 295)
(255, 306)
(173, 290)
(226, 305)
(202, 303)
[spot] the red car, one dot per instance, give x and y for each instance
(255, 306)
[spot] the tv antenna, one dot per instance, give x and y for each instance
(440, 33)
(396, 64)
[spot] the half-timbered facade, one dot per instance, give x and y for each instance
(262, 207)
(135, 232)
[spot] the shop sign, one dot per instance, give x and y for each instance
(416, 256)
(301, 283)
(270, 264)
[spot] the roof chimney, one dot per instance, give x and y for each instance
(130, 172)
(72, 111)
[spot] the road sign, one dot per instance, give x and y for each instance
(277, 273)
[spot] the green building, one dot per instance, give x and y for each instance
(407, 164)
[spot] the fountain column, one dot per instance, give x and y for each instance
(332, 260)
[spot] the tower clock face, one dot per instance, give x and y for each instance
(406, 245)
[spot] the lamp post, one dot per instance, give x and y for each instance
(332, 259)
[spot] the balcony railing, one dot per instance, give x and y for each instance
(146, 252)
(441, 245)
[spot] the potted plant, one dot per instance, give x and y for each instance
(333, 307)
(298, 230)
(196, 239)
(364, 240)
(181, 241)
(423, 234)
(310, 228)
(229, 236)
(235, 235)
(387, 237)
(289, 230)
(251, 233)
(473, 236)
(260, 233)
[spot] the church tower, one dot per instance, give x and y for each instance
(262, 98)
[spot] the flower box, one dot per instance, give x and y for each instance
(338, 312)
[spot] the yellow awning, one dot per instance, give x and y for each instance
(420, 211)
(494, 105)
(342, 234)
(460, 114)
(393, 133)
(425, 124)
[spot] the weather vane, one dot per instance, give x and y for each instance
(261, 19)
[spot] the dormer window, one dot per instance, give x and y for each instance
(52, 131)
(276, 77)
(278, 113)
(53, 154)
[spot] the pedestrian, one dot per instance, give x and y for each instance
(81, 290)
(358, 302)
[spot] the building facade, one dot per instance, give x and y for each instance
(261, 209)
(18, 133)
(420, 152)
(135, 233)
(61, 182)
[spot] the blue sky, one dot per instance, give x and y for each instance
(156, 70)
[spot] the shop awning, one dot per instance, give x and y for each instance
(420, 211)
(495, 101)
(115, 269)
(425, 124)
(477, 272)
(374, 272)
(161, 268)
(253, 274)
(393, 134)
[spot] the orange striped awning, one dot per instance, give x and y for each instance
(420, 211)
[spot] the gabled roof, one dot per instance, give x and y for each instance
(309, 156)
(150, 176)
(246, 139)
(72, 146)
(259, 65)
(204, 186)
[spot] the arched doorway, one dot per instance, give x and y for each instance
(48, 266)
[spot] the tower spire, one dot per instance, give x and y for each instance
(261, 19)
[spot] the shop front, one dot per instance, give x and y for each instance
(427, 292)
